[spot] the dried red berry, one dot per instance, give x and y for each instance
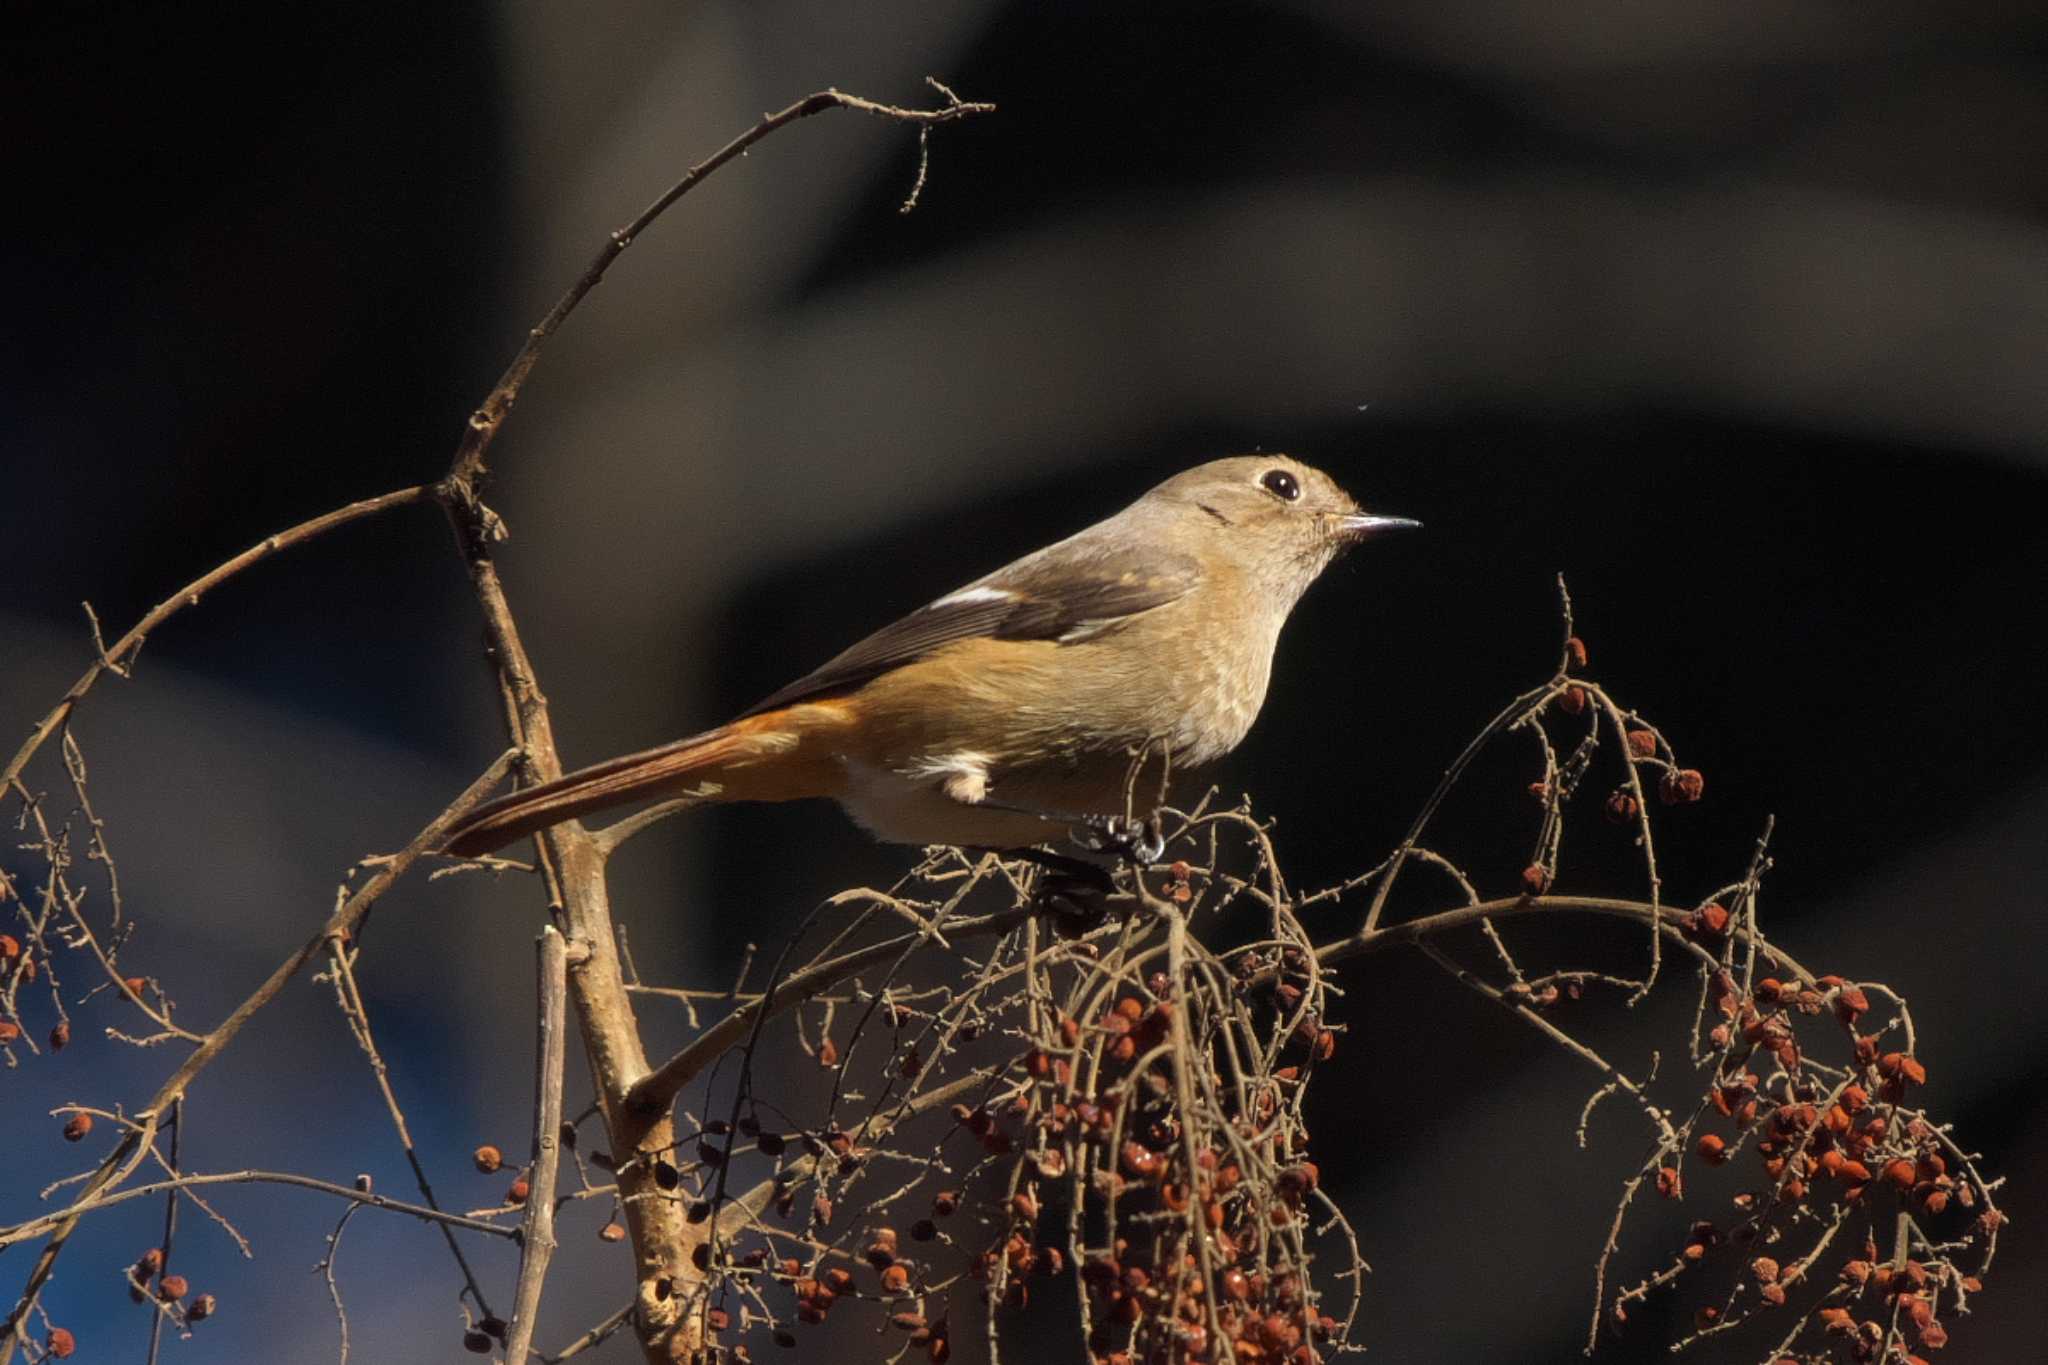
(1622, 807)
(77, 1126)
(1713, 1148)
(488, 1159)
(520, 1189)
(1138, 1162)
(60, 1343)
(1299, 1179)
(1901, 1066)
(1535, 879)
(171, 1288)
(1682, 788)
(1575, 652)
(895, 1279)
(1572, 701)
(828, 1053)
(612, 1232)
(60, 1035)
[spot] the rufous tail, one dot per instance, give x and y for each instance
(733, 762)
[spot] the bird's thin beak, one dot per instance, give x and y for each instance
(1358, 525)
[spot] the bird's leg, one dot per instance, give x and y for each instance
(1137, 842)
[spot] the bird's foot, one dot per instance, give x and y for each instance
(1138, 842)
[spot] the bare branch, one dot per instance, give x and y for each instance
(122, 655)
(537, 1235)
(134, 1145)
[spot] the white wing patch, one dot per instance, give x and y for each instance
(979, 594)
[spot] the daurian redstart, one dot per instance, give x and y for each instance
(1023, 697)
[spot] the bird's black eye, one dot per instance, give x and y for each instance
(1280, 484)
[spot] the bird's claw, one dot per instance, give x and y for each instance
(1139, 842)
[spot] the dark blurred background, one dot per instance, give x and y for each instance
(1732, 313)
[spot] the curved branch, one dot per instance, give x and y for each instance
(1510, 716)
(1670, 922)
(659, 1088)
(128, 1153)
(118, 658)
(35, 1227)
(485, 422)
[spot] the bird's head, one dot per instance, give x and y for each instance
(1281, 520)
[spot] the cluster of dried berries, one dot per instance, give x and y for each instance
(1835, 1143)
(147, 1280)
(1649, 762)
(1187, 1220)
(1130, 1122)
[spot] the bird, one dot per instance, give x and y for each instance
(1011, 709)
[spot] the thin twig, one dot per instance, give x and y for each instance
(486, 421)
(129, 1153)
(537, 1235)
(351, 997)
(326, 1269)
(122, 655)
(36, 1227)
(660, 1088)
(176, 1123)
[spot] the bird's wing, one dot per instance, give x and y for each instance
(1065, 592)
